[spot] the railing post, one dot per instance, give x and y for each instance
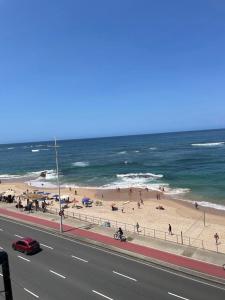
(144, 231)
(189, 241)
(154, 233)
(203, 244)
(177, 239)
(181, 236)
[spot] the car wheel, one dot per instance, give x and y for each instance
(25, 252)
(14, 247)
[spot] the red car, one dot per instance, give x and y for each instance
(26, 245)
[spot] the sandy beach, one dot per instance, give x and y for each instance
(182, 215)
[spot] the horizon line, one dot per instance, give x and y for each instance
(115, 136)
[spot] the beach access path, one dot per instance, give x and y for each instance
(141, 251)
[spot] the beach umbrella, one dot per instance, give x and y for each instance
(33, 196)
(9, 193)
(85, 200)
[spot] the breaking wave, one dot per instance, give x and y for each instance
(208, 144)
(139, 175)
(81, 164)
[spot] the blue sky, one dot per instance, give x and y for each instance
(75, 69)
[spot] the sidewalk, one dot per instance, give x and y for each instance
(139, 245)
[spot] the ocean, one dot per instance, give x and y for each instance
(190, 165)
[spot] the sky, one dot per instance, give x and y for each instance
(77, 69)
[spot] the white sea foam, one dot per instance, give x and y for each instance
(208, 144)
(81, 164)
(49, 175)
(35, 150)
(211, 205)
(10, 148)
(176, 191)
(139, 175)
(152, 148)
(122, 152)
(10, 176)
(136, 151)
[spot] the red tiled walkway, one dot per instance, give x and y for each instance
(177, 260)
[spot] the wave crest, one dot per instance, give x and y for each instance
(208, 144)
(139, 175)
(81, 164)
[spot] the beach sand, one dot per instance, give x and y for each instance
(182, 215)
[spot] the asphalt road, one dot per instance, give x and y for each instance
(70, 269)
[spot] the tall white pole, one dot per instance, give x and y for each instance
(57, 171)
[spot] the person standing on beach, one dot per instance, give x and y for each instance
(216, 237)
(137, 226)
(170, 229)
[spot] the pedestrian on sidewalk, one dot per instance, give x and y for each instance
(216, 237)
(170, 229)
(137, 227)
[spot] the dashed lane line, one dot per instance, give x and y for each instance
(33, 294)
(78, 258)
(23, 258)
(64, 277)
(100, 294)
(19, 236)
(128, 277)
(47, 246)
(177, 296)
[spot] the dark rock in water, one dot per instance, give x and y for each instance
(43, 174)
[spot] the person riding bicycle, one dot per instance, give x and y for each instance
(120, 233)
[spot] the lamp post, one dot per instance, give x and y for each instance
(58, 183)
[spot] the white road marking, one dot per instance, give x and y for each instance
(1, 274)
(81, 259)
(1, 248)
(36, 296)
(100, 294)
(1, 229)
(124, 276)
(47, 246)
(177, 296)
(148, 264)
(57, 274)
(23, 258)
(19, 236)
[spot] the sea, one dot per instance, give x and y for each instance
(189, 165)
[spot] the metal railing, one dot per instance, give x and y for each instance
(145, 231)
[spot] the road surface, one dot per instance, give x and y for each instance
(70, 269)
